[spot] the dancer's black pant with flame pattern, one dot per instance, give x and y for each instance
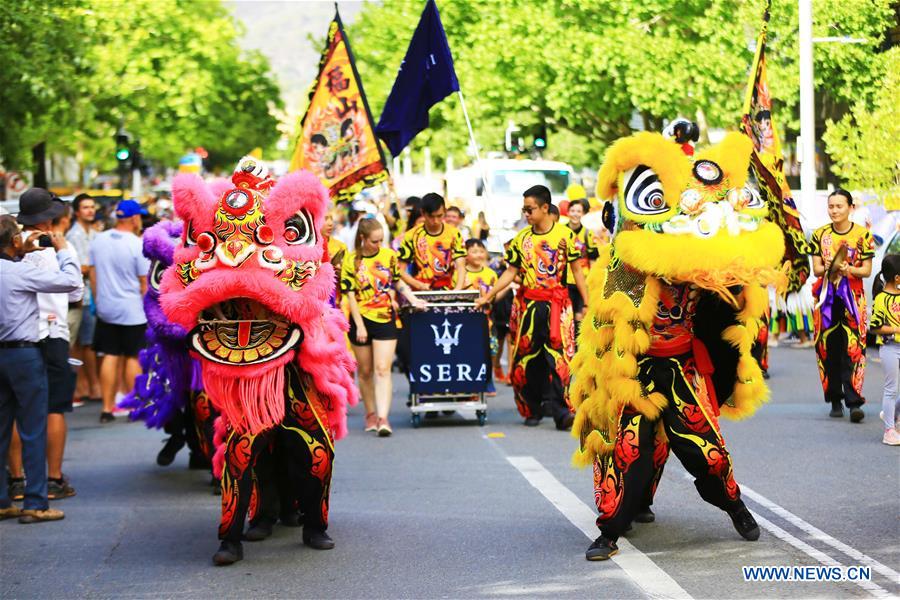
(307, 451)
(625, 479)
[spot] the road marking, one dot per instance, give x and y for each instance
(637, 565)
(873, 588)
(821, 536)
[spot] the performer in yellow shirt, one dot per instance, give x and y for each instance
(542, 324)
(586, 248)
(370, 278)
(842, 257)
(433, 249)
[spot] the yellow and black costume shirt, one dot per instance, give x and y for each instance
(587, 251)
(886, 313)
(432, 256)
(482, 280)
(859, 241)
(543, 259)
(372, 283)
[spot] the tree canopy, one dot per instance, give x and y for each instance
(589, 68)
(170, 70)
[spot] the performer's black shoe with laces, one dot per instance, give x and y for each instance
(601, 549)
(229, 553)
(532, 422)
(837, 411)
(259, 531)
(317, 538)
(744, 523)
(168, 452)
(856, 414)
(645, 515)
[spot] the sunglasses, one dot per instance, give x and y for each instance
(527, 210)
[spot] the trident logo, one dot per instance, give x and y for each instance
(446, 341)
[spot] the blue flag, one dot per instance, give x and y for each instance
(425, 78)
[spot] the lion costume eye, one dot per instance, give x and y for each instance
(156, 273)
(644, 192)
(299, 230)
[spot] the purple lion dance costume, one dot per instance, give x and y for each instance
(169, 392)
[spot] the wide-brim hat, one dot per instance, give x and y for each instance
(37, 205)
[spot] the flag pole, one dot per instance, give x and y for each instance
(487, 187)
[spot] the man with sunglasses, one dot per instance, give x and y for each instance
(542, 322)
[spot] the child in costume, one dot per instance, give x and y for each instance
(886, 325)
(674, 308)
(250, 285)
(842, 256)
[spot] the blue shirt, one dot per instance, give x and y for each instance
(119, 263)
(20, 282)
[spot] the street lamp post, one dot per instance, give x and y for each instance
(807, 143)
(807, 107)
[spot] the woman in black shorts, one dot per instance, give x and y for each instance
(370, 278)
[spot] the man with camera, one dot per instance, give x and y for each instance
(43, 213)
(23, 372)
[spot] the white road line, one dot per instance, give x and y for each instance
(643, 571)
(817, 534)
(873, 588)
(821, 536)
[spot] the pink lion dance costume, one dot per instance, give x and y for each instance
(249, 285)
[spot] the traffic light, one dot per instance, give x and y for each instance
(540, 138)
(123, 147)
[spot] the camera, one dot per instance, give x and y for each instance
(45, 242)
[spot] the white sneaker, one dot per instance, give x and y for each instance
(121, 412)
(891, 437)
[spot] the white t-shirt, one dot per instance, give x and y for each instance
(54, 308)
(119, 262)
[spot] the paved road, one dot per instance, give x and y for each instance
(455, 510)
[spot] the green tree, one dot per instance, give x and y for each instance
(865, 143)
(590, 67)
(171, 70)
(42, 58)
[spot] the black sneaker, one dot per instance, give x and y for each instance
(565, 424)
(856, 414)
(16, 488)
(744, 523)
(645, 516)
(532, 421)
(317, 538)
(168, 452)
(107, 417)
(259, 531)
(228, 553)
(57, 489)
(837, 411)
(601, 549)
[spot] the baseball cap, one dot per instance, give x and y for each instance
(129, 208)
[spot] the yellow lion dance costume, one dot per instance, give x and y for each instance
(674, 309)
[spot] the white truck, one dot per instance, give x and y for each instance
(507, 178)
